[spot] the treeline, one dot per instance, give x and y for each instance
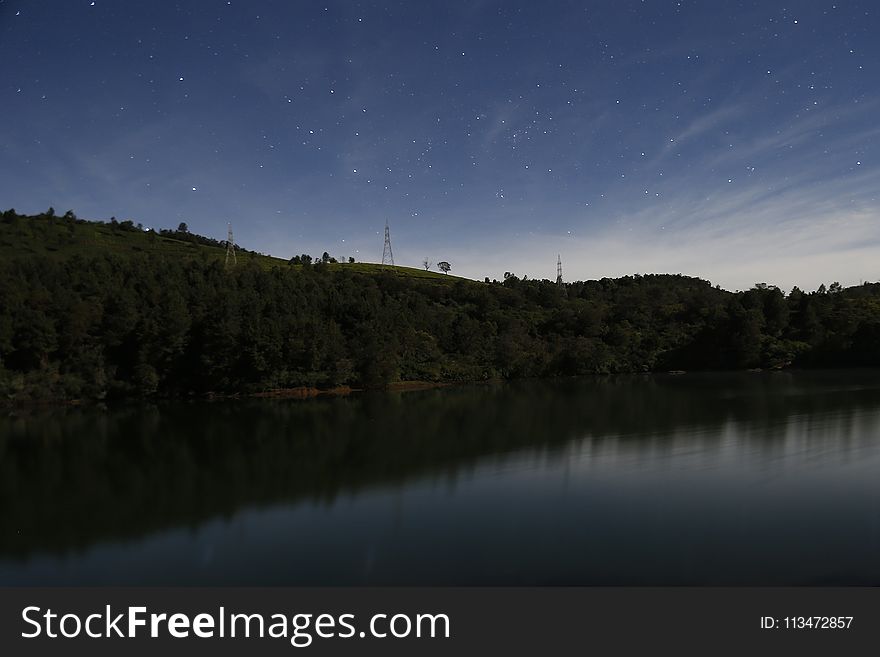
(58, 231)
(106, 325)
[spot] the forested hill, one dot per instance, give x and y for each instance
(112, 318)
(66, 236)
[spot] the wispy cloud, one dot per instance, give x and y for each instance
(809, 214)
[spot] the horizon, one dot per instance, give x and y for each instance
(730, 144)
(316, 259)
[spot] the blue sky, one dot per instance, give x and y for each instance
(736, 141)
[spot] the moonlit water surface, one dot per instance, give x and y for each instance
(759, 479)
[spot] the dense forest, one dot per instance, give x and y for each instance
(99, 322)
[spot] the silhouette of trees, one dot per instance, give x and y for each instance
(444, 266)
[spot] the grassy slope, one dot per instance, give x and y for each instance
(62, 239)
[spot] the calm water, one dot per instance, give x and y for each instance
(770, 478)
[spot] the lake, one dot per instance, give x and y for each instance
(768, 478)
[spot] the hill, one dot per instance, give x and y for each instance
(66, 236)
(95, 311)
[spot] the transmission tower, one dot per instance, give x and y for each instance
(558, 269)
(387, 255)
(230, 245)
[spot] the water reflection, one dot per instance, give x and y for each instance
(729, 479)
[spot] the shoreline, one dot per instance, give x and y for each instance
(312, 392)
(299, 392)
(308, 392)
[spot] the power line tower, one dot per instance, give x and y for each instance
(387, 255)
(558, 269)
(230, 245)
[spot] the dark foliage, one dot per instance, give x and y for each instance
(103, 324)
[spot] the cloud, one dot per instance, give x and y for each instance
(808, 216)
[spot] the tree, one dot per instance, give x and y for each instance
(182, 227)
(350, 260)
(427, 264)
(444, 266)
(325, 258)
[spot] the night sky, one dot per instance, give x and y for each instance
(736, 141)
